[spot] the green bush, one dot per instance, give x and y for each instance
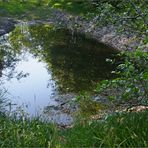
(132, 78)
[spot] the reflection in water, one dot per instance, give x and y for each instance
(73, 63)
(77, 63)
(35, 90)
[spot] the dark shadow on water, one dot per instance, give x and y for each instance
(77, 63)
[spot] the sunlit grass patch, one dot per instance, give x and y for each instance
(29, 9)
(74, 7)
(15, 7)
(26, 133)
(120, 130)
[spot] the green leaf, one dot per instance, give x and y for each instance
(145, 76)
(146, 39)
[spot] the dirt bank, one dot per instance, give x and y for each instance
(107, 34)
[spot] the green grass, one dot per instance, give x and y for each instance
(15, 7)
(119, 130)
(72, 6)
(27, 10)
(37, 9)
(26, 133)
(116, 130)
(125, 130)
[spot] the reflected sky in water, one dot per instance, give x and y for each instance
(69, 63)
(35, 90)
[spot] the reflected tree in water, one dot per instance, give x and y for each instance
(76, 62)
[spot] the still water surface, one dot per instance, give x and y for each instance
(33, 91)
(52, 62)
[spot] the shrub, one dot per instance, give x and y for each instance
(132, 78)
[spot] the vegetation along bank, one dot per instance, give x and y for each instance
(121, 24)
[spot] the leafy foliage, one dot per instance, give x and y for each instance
(128, 15)
(132, 80)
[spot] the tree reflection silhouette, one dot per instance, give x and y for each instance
(77, 62)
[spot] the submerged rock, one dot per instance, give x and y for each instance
(62, 111)
(6, 25)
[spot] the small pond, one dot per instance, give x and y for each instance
(40, 63)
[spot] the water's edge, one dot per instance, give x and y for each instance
(107, 35)
(63, 109)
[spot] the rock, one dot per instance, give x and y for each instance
(101, 99)
(96, 98)
(6, 25)
(61, 112)
(2, 31)
(107, 34)
(138, 108)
